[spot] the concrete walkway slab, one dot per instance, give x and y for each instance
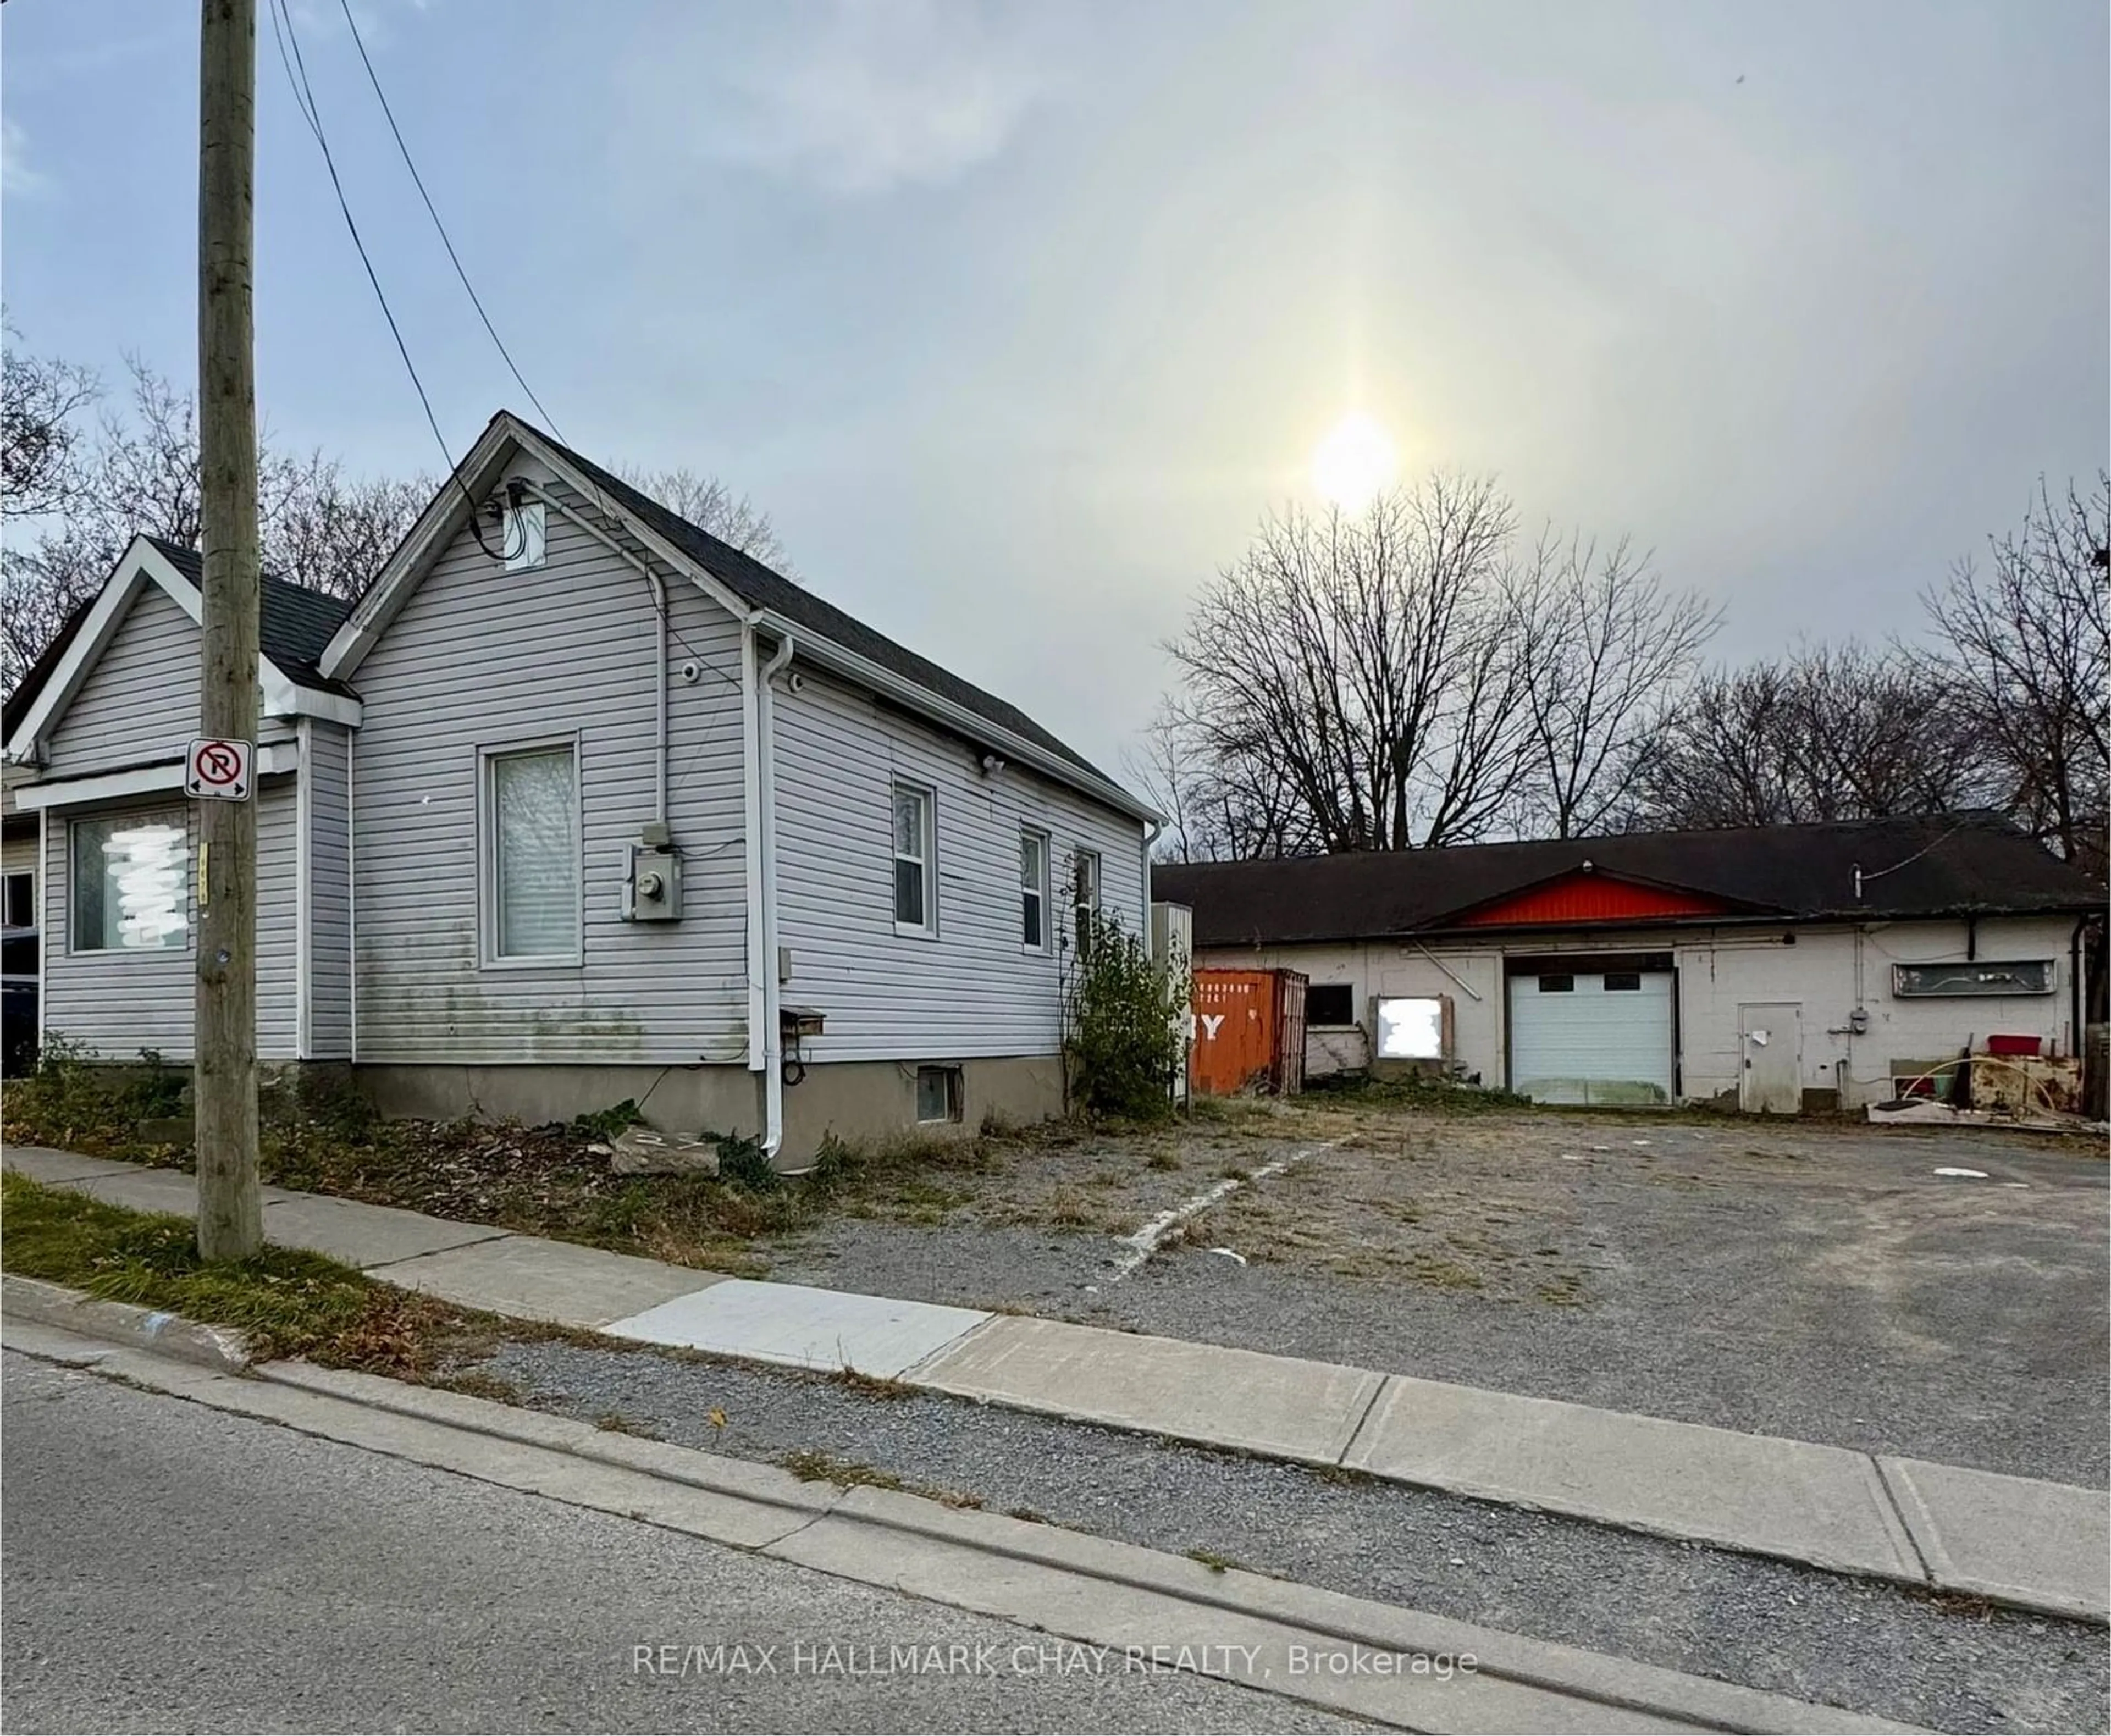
(1205, 1393)
(536, 1279)
(1822, 1505)
(806, 1328)
(362, 1234)
(41, 1163)
(2042, 1545)
(150, 1190)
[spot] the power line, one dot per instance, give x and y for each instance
(446, 240)
(304, 99)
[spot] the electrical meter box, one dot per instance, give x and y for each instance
(653, 892)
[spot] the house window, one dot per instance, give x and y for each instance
(1624, 981)
(2013, 976)
(1033, 889)
(522, 536)
(531, 866)
(21, 902)
(1330, 1003)
(1557, 984)
(938, 1093)
(129, 883)
(914, 904)
(1084, 897)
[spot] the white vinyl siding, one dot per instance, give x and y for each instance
(974, 990)
(482, 658)
(531, 863)
(324, 763)
(139, 704)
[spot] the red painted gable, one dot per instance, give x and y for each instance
(1590, 898)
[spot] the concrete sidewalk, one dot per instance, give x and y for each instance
(2040, 1546)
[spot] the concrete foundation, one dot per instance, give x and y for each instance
(852, 1100)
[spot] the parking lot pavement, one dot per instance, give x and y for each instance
(1819, 1281)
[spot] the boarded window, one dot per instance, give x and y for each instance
(129, 882)
(1330, 1003)
(533, 799)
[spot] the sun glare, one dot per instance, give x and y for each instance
(1355, 461)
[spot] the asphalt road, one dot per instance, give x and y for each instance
(169, 1567)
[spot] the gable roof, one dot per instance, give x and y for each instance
(764, 598)
(1937, 866)
(294, 625)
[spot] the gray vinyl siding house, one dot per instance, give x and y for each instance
(481, 779)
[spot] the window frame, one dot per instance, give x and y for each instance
(1040, 891)
(1350, 1023)
(488, 957)
(180, 817)
(1081, 854)
(28, 876)
(1557, 982)
(927, 929)
(529, 519)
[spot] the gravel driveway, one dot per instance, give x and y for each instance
(1820, 1280)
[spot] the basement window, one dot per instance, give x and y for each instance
(939, 1094)
(1564, 984)
(1330, 1003)
(1987, 977)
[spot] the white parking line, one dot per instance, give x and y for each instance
(1145, 1242)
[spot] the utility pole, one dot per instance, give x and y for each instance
(230, 1224)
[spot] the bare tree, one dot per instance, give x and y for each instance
(1826, 733)
(710, 505)
(1601, 643)
(1350, 684)
(138, 471)
(2026, 646)
(41, 400)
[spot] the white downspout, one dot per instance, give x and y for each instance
(773, 990)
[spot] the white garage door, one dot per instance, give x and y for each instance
(1591, 1036)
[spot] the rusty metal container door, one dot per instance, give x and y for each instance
(1235, 1024)
(1288, 1076)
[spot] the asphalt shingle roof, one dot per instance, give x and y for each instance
(1911, 867)
(295, 624)
(761, 588)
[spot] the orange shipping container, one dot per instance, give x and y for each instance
(1249, 1032)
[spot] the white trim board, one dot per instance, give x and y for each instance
(273, 758)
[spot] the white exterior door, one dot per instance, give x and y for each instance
(1770, 1033)
(1591, 1036)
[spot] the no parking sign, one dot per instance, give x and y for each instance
(218, 770)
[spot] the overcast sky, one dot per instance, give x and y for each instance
(1016, 319)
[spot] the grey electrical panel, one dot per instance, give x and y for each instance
(653, 892)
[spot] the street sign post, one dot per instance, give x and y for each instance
(218, 770)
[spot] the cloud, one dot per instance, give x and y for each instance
(17, 179)
(868, 97)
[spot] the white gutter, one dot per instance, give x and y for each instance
(773, 990)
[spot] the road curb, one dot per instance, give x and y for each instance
(936, 1538)
(150, 1330)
